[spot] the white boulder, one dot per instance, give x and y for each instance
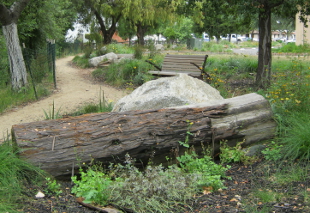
(168, 92)
(109, 57)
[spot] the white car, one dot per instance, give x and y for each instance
(291, 41)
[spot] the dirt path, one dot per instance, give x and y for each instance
(74, 89)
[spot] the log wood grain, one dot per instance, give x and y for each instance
(57, 146)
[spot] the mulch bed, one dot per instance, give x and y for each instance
(237, 197)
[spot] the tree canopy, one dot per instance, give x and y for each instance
(31, 22)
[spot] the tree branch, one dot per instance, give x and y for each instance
(4, 15)
(100, 20)
(8, 16)
(276, 4)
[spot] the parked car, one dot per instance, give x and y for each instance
(234, 38)
(291, 41)
(281, 39)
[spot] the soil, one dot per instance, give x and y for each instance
(74, 88)
(237, 197)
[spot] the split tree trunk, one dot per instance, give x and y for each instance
(57, 146)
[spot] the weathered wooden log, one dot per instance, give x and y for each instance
(58, 145)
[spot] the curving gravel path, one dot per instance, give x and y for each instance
(74, 89)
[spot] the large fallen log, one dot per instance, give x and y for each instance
(58, 146)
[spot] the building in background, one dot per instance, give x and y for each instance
(302, 32)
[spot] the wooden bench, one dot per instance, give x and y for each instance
(192, 65)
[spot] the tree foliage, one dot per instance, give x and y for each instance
(180, 30)
(221, 18)
(265, 9)
(141, 15)
(31, 22)
(45, 19)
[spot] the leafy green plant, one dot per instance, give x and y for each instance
(273, 152)
(52, 187)
(211, 173)
(188, 134)
(155, 189)
(52, 113)
(93, 186)
(234, 154)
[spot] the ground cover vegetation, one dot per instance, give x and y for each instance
(265, 187)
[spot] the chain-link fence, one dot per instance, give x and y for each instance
(40, 63)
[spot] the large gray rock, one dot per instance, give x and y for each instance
(168, 92)
(109, 57)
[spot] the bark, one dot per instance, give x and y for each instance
(263, 76)
(264, 51)
(141, 30)
(9, 18)
(16, 60)
(57, 146)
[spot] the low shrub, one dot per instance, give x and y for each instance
(81, 61)
(156, 189)
(292, 48)
(126, 72)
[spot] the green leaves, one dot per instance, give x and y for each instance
(92, 186)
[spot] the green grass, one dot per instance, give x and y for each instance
(10, 99)
(127, 73)
(81, 61)
(40, 76)
(15, 174)
(266, 196)
(293, 48)
(102, 106)
(222, 46)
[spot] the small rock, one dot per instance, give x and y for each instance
(254, 150)
(40, 195)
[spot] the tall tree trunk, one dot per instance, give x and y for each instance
(17, 65)
(141, 29)
(264, 51)
(8, 19)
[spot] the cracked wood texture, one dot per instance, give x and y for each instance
(58, 146)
